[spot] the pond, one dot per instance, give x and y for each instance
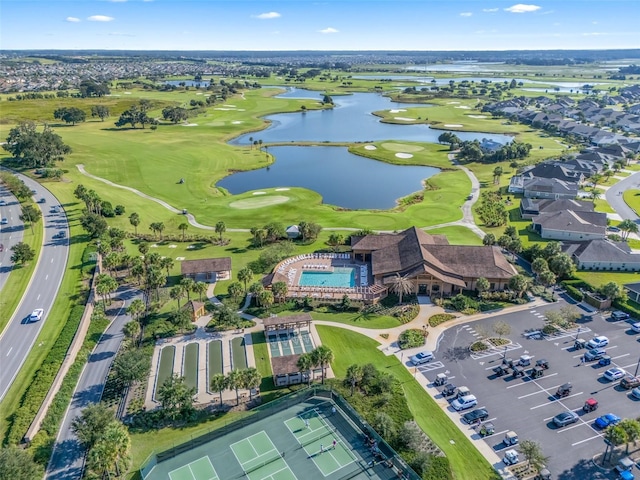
(343, 179)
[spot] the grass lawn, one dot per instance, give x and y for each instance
(356, 319)
(600, 278)
(349, 347)
(603, 206)
(457, 235)
(19, 278)
(632, 198)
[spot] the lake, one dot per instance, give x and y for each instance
(343, 179)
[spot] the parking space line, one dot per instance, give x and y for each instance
(535, 393)
(586, 440)
(555, 400)
(620, 356)
(578, 424)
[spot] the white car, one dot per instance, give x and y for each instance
(36, 315)
(614, 374)
(598, 342)
(422, 357)
(465, 402)
(510, 457)
(635, 327)
(4, 221)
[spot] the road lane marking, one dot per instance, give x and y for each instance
(555, 400)
(38, 297)
(46, 277)
(52, 260)
(9, 351)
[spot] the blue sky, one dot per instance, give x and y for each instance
(319, 25)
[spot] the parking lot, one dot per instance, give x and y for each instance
(527, 405)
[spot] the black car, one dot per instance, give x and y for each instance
(477, 415)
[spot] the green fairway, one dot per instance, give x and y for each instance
(350, 347)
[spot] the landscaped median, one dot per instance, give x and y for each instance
(352, 348)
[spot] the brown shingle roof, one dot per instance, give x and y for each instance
(284, 365)
(205, 265)
(298, 318)
(475, 261)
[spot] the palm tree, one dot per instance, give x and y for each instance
(306, 363)
(613, 437)
(280, 290)
(131, 330)
(595, 179)
(200, 288)
(105, 285)
(220, 228)
(160, 228)
(322, 356)
(235, 382)
(251, 379)
(354, 376)
(134, 220)
(218, 383)
(176, 293)
(595, 194)
(245, 276)
(497, 173)
(183, 227)
(167, 264)
(235, 290)
(632, 427)
(265, 298)
(251, 142)
(400, 286)
(628, 226)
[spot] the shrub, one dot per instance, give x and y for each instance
(478, 347)
(119, 210)
(411, 338)
(628, 306)
(438, 318)
(407, 313)
(549, 329)
(574, 293)
(462, 302)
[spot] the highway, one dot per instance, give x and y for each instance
(10, 234)
(19, 336)
(67, 458)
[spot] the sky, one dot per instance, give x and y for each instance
(319, 25)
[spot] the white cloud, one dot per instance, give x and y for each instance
(121, 34)
(594, 34)
(466, 14)
(594, 23)
(522, 8)
(268, 16)
(328, 30)
(73, 19)
(100, 18)
(117, 1)
(490, 10)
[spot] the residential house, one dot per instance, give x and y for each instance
(549, 188)
(570, 225)
(633, 291)
(603, 255)
(529, 207)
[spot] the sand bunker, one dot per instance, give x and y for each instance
(225, 109)
(477, 116)
(404, 155)
(127, 93)
(453, 125)
(199, 93)
(180, 259)
(237, 122)
(370, 147)
(217, 123)
(230, 106)
(401, 147)
(259, 193)
(282, 189)
(453, 103)
(173, 246)
(259, 202)
(464, 107)
(189, 124)
(397, 110)
(404, 119)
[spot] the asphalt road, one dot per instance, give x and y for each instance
(67, 459)
(10, 234)
(19, 336)
(528, 405)
(614, 196)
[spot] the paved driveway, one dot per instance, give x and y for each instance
(528, 405)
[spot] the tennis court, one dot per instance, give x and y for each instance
(291, 440)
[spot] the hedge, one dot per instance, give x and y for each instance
(629, 306)
(438, 318)
(574, 293)
(42, 379)
(411, 338)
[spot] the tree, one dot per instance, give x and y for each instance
(235, 290)
(22, 253)
(245, 276)
(628, 226)
(176, 397)
(613, 437)
(33, 148)
(322, 356)
(497, 173)
(30, 214)
(187, 283)
(482, 285)
(220, 228)
(17, 464)
(547, 278)
(90, 88)
(132, 366)
(110, 453)
(175, 114)
(135, 115)
(157, 228)
(70, 115)
(562, 265)
(501, 328)
(131, 330)
(596, 178)
(551, 249)
(280, 290)
(183, 227)
(353, 376)
(265, 298)
(235, 382)
(105, 285)
(613, 291)
(400, 286)
(166, 263)
(632, 428)
(595, 194)
(251, 379)
(489, 239)
(306, 363)
(384, 425)
(533, 453)
(335, 240)
(100, 111)
(539, 265)
(92, 423)
(259, 236)
(136, 309)
(519, 284)
(200, 288)
(134, 220)
(176, 293)
(94, 224)
(218, 383)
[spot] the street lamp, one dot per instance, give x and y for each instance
(637, 366)
(578, 333)
(504, 354)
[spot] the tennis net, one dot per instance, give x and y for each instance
(252, 468)
(326, 433)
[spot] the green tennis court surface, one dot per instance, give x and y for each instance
(260, 459)
(200, 469)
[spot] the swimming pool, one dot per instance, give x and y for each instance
(344, 277)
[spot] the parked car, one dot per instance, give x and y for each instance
(477, 415)
(464, 403)
(2, 203)
(565, 418)
(636, 393)
(42, 200)
(598, 342)
(4, 221)
(618, 315)
(629, 382)
(1, 247)
(422, 357)
(510, 457)
(614, 374)
(635, 327)
(595, 354)
(605, 420)
(613, 229)
(36, 315)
